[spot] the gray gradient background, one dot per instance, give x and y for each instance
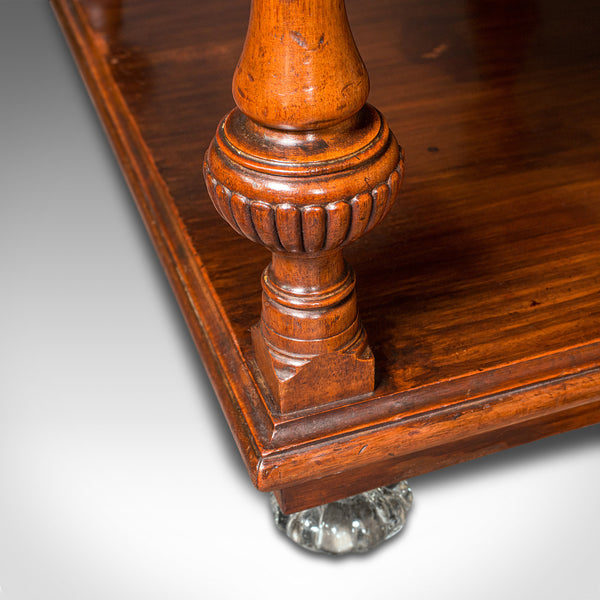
(118, 476)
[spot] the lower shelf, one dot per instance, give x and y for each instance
(480, 293)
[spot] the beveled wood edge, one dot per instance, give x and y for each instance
(211, 333)
(373, 448)
(292, 451)
(373, 410)
(338, 486)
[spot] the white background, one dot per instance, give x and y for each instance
(118, 476)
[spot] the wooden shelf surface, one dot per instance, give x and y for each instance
(480, 292)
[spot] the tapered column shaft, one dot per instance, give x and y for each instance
(304, 167)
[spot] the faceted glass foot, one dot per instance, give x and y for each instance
(355, 524)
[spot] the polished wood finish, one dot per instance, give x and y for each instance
(304, 167)
(479, 291)
(300, 68)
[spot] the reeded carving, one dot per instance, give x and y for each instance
(312, 228)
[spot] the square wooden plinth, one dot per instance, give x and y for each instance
(480, 293)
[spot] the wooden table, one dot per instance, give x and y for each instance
(480, 290)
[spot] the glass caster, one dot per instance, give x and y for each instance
(355, 524)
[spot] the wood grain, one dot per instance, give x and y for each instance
(479, 291)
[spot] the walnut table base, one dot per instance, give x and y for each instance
(479, 291)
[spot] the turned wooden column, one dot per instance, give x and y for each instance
(304, 166)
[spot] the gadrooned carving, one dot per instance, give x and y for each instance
(305, 229)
